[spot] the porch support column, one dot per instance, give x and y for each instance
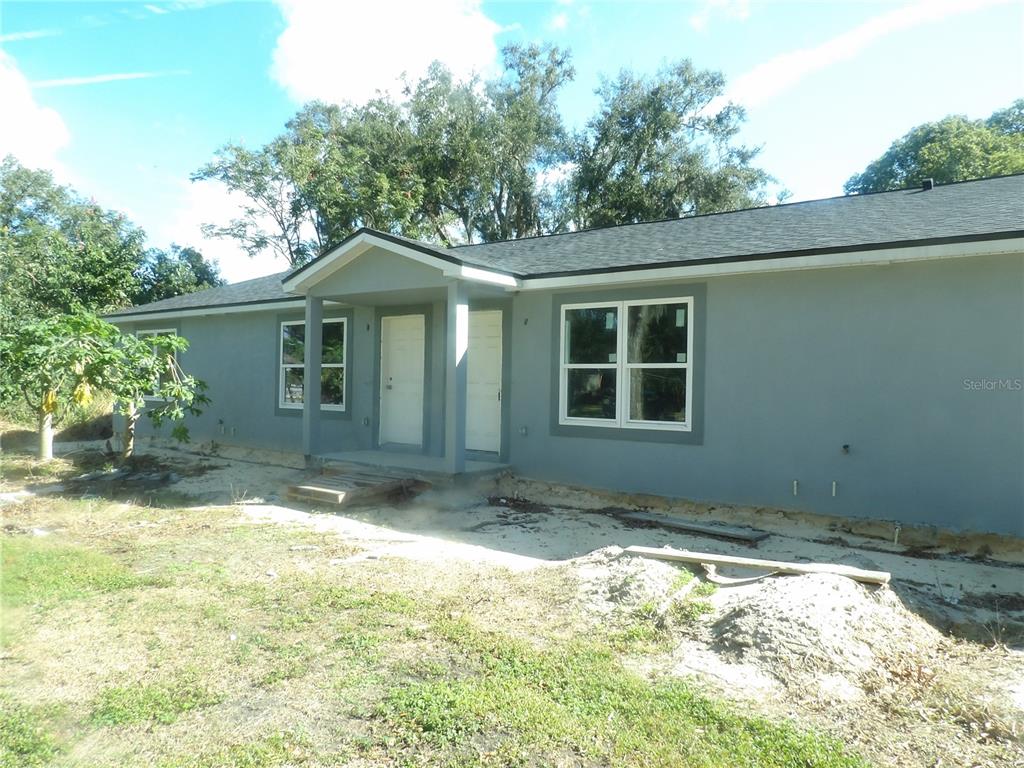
(456, 359)
(311, 377)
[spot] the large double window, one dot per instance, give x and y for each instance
(332, 364)
(627, 364)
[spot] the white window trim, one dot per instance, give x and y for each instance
(282, 366)
(622, 367)
(157, 332)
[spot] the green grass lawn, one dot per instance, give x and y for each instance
(151, 636)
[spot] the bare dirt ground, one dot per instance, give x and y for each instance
(926, 672)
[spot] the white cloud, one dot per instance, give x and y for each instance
(31, 34)
(779, 74)
(31, 132)
(339, 51)
(738, 10)
(208, 202)
(35, 135)
(64, 82)
(559, 21)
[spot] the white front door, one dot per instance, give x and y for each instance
(402, 340)
(483, 390)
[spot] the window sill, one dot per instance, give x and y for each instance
(299, 407)
(663, 426)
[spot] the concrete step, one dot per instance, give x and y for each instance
(342, 486)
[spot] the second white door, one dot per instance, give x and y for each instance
(401, 379)
(483, 390)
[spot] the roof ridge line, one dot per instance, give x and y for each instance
(735, 210)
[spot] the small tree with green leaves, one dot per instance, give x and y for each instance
(145, 377)
(64, 359)
(51, 364)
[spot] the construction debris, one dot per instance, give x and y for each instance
(778, 566)
(745, 535)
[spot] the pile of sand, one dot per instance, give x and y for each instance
(819, 625)
(609, 582)
(824, 632)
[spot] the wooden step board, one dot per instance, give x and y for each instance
(357, 485)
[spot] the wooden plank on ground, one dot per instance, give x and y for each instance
(342, 491)
(746, 535)
(686, 556)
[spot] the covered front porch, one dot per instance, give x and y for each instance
(425, 371)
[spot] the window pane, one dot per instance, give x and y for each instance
(293, 385)
(657, 394)
(293, 343)
(591, 394)
(334, 343)
(591, 335)
(657, 333)
(332, 386)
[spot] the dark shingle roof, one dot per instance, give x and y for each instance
(964, 210)
(971, 210)
(256, 291)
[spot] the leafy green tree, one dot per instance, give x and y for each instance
(482, 150)
(135, 369)
(1009, 121)
(65, 359)
(58, 252)
(333, 170)
(462, 162)
(354, 168)
(451, 152)
(50, 363)
(275, 214)
(951, 149)
(655, 151)
(180, 270)
(451, 162)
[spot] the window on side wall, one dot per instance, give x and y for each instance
(332, 364)
(162, 376)
(627, 364)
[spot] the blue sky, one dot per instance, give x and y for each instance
(125, 100)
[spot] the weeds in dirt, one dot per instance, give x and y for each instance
(284, 749)
(39, 571)
(691, 607)
(577, 697)
(689, 611)
(24, 740)
(296, 656)
(392, 675)
(941, 691)
(650, 625)
(162, 702)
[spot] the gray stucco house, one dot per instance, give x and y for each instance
(859, 356)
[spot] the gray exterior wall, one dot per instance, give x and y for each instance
(238, 357)
(798, 364)
(788, 368)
